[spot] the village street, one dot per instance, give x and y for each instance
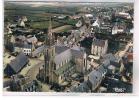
(122, 53)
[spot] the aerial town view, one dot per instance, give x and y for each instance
(70, 47)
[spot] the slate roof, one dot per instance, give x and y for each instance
(77, 54)
(21, 37)
(77, 48)
(23, 45)
(38, 50)
(29, 46)
(111, 57)
(99, 42)
(32, 39)
(63, 57)
(106, 63)
(60, 49)
(18, 63)
(96, 76)
(64, 53)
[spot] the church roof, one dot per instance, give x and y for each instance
(59, 49)
(63, 53)
(62, 57)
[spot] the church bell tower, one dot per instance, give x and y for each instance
(49, 53)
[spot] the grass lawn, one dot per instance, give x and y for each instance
(43, 25)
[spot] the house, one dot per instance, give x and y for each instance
(61, 17)
(79, 23)
(32, 40)
(9, 31)
(18, 82)
(114, 60)
(111, 63)
(83, 87)
(83, 29)
(20, 38)
(21, 23)
(105, 27)
(31, 86)
(22, 44)
(37, 52)
(27, 49)
(24, 18)
(124, 15)
(95, 77)
(24, 47)
(96, 23)
(76, 34)
(16, 65)
(89, 15)
(99, 47)
(118, 28)
(75, 17)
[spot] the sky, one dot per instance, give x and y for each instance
(80, 0)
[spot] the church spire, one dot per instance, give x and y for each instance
(48, 53)
(50, 33)
(50, 27)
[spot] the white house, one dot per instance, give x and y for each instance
(79, 23)
(116, 30)
(21, 23)
(125, 15)
(96, 23)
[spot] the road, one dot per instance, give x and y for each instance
(122, 53)
(33, 71)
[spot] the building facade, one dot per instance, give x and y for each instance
(61, 61)
(99, 47)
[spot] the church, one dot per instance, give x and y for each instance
(60, 61)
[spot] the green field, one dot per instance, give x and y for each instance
(44, 24)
